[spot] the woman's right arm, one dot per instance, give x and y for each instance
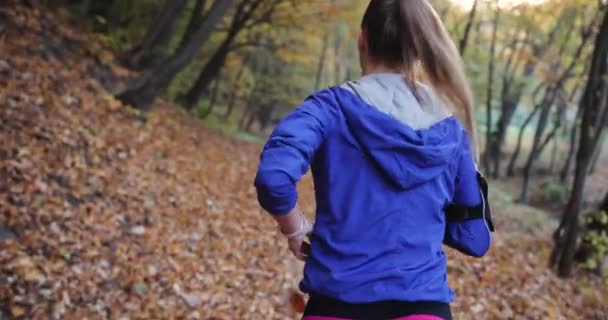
(287, 155)
(284, 160)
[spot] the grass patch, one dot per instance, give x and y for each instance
(246, 136)
(215, 122)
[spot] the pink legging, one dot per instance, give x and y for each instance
(412, 317)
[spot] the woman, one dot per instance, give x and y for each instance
(394, 174)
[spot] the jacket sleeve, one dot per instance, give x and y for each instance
(469, 224)
(287, 156)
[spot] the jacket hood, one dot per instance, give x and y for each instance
(411, 142)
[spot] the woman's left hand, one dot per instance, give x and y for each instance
(297, 243)
(296, 227)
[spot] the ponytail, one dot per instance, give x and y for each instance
(425, 51)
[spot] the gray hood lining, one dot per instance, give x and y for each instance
(390, 94)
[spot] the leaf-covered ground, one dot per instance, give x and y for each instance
(106, 216)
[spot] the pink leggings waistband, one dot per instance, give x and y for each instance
(412, 317)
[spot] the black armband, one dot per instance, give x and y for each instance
(457, 213)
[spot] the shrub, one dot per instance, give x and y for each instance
(554, 192)
(594, 246)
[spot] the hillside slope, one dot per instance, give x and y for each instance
(106, 216)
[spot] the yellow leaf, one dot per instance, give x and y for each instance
(17, 311)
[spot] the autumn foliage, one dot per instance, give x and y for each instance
(105, 214)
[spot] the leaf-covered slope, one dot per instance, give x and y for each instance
(108, 217)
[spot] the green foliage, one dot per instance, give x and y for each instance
(554, 192)
(596, 238)
(288, 48)
(215, 122)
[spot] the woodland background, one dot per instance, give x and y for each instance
(130, 132)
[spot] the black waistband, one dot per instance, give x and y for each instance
(323, 306)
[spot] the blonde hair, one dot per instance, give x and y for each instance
(410, 34)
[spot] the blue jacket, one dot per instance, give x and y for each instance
(383, 177)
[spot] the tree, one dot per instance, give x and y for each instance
(248, 14)
(563, 175)
(558, 115)
(594, 116)
(212, 102)
(513, 90)
(154, 47)
(550, 96)
(236, 86)
(465, 37)
(338, 54)
(511, 167)
(196, 19)
(564, 172)
(143, 90)
(321, 64)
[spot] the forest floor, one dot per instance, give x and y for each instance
(106, 216)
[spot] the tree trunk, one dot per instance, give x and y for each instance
(566, 235)
(230, 108)
(213, 100)
(321, 64)
(467, 30)
(548, 100)
(243, 118)
(251, 119)
(511, 99)
(538, 143)
(553, 156)
(155, 44)
(556, 126)
(540, 129)
(142, 91)
(236, 86)
(594, 116)
(248, 108)
(563, 176)
(552, 133)
(250, 122)
(522, 130)
(264, 116)
(550, 97)
(196, 19)
(509, 102)
(489, 95)
(209, 72)
(508, 108)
